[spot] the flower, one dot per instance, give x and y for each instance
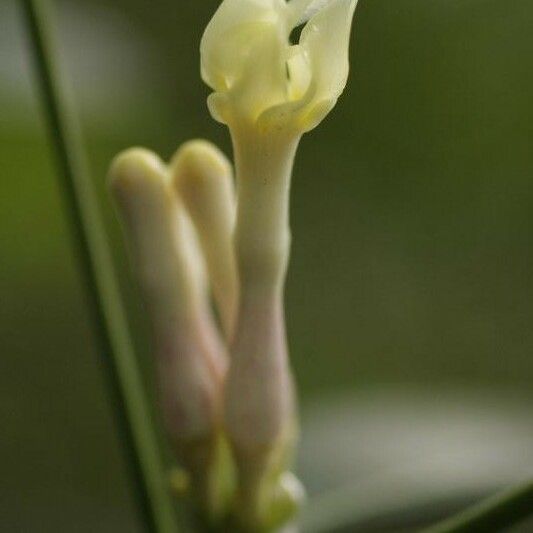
(269, 91)
(260, 77)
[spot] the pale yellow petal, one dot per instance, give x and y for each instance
(326, 37)
(229, 36)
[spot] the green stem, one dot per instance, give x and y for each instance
(132, 408)
(493, 514)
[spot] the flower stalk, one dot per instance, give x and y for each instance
(260, 408)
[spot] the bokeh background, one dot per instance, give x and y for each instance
(410, 293)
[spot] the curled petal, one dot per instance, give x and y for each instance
(326, 38)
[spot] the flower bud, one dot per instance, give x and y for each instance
(203, 179)
(189, 356)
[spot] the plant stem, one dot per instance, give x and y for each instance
(493, 514)
(132, 409)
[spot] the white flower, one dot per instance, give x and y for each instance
(269, 91)
(260, 77)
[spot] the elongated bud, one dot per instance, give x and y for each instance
(203, 178)
(190, 359)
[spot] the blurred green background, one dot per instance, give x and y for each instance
(412, 221)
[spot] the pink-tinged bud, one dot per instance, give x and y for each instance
(190, 358)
